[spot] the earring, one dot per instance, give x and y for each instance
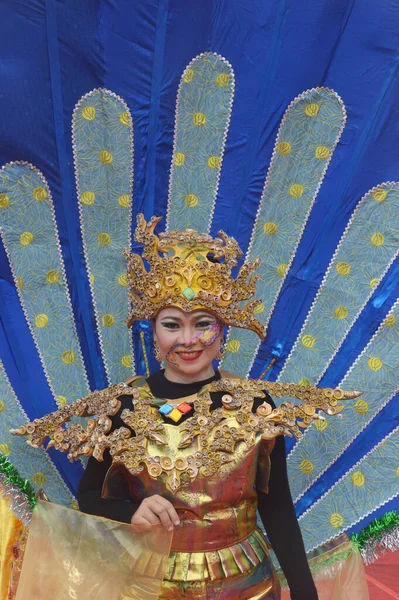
(221, 350)
(157, 353)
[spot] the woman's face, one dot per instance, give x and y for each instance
(188, 343)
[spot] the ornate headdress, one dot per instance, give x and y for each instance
(190, 270)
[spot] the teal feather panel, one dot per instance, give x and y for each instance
(365, 252)
(30, 236)
(32, 463)
(204, 103)
(376, 374)
(308, 135)
(103, 152)
(370, 484)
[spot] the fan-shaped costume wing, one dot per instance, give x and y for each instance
(103, 151)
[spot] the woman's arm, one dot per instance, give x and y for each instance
(277, 512)
(89, 494)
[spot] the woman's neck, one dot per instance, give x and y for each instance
(176, 376)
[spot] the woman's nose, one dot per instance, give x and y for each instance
(188, 335)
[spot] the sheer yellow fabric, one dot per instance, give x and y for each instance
(11, 530)
(71, 555)
(339, 574)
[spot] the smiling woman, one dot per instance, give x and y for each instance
(192, 449)
(188, 342)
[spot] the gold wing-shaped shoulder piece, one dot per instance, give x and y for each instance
(289, 418)
(313, 400)
(76, 439)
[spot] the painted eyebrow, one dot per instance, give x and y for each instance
(197, 318)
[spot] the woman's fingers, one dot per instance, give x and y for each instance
(155, 509)
(174, 517)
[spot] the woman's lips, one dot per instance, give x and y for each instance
(189, 356)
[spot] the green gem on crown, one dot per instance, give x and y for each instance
(189, 293)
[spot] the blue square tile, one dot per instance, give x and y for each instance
(165, 409)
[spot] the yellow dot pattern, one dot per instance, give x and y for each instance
(88, 198)
(343, 268)
(4, 200)
(281, 270)
(5, 449)
(188, 76)
(259, 309)
(122, 280)
(308, 341)
(374, 363)
(125, 118)
(40, 193)
(306, 467)
(39, 479)
(358, 478)
(127, 361)
(284, 148)
(26, 238)
(377, 239)
(233, 346)
(223, 80)
(53, 276)
(41, 320)
(89, 113)
(106, 157)
(124, 201)
(61, 401)
(270, 228)
(104, 239)
(341, 312)
(213, 162)
(179, 159)
(296, 190)
(108, 320)
(68, 357)
(191, 200)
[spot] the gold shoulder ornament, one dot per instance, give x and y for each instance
(207, 440)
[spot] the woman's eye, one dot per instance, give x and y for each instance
(170, 325)
(204, 324)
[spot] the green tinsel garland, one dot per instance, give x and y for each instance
(11, 476)
(376, 529)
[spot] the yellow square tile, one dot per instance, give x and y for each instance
(175, 415)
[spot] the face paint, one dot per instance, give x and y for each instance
(203, 338)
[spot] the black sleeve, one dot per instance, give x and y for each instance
(89, 494)
(90, 486)
(278, 515)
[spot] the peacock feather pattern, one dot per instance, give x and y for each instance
(308, 135)
(103, 151)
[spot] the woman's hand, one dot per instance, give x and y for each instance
(156, 509)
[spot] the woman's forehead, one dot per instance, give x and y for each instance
(177, 313)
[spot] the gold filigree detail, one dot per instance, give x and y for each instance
(213, 435)
(191, 270)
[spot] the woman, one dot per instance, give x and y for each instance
(195, 449)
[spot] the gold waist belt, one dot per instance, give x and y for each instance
(215, 529)
(236, 559)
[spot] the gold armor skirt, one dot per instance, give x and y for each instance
(260, 583)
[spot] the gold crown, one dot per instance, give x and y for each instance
(191, 271)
